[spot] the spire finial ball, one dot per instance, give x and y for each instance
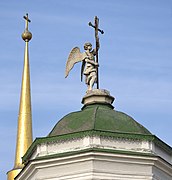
(26, 36)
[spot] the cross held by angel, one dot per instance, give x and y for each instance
(89, 65)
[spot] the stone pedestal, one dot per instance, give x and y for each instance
(98, 96)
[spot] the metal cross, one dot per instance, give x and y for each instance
(96, 21)
(27, 20)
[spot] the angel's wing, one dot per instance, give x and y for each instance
(74, 57)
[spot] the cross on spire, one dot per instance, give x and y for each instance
(26, 35)
(27, 20)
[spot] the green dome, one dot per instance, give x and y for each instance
(100, 117)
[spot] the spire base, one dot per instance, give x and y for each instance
(13, 173)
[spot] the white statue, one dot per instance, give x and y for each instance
(89, 66)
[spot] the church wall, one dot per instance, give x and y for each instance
(162, 153)
(92, 165)
(159, 174)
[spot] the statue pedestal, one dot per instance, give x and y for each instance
(95, 96)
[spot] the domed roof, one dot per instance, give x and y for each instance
(98, 117)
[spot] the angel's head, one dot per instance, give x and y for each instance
(88, 46)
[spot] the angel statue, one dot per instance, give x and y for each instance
(89, 65)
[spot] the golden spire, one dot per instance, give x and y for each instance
(24, 131)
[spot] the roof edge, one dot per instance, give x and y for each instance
(147, 137)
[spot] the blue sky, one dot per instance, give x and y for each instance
(135, 62)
